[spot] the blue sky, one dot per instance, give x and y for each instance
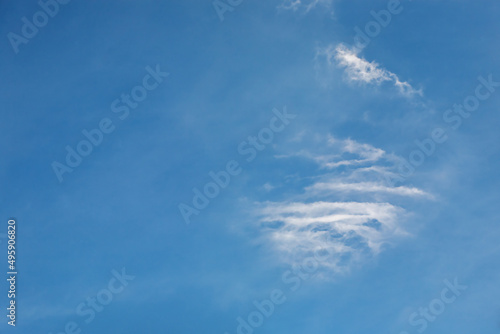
(319, 185)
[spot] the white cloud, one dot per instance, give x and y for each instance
(306, 5)
(364, 153)
(365, 187)
(268, 187)
(348, 210)
(349, 231)
(360, 70)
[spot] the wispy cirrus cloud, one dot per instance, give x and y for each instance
(306, 5)
(347, 209)
(362, 153)
(365, 187)
(358, 69)
(349, 231)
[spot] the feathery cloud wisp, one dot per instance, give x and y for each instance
(307, 5)
(360, 70)
(322, 219)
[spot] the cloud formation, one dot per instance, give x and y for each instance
(346, 210)
(360, 70)
(306, 5)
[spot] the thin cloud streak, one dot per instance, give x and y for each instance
(295, 5)
(365, 187)
(358, 69)
(321, 219)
